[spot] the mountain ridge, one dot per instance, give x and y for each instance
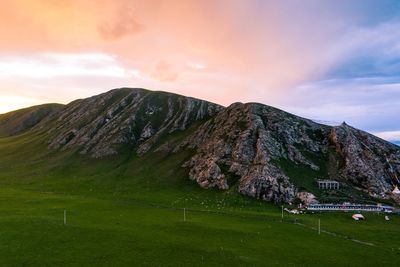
(22, 120)
(262, 151)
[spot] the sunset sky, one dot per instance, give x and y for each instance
(330, 61)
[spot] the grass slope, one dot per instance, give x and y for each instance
(22, 120)
(128, 211)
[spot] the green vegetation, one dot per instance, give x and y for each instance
(128, 211)
(21, 120)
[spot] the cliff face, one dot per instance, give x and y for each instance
(260, 151)
(369, 162)
(246, 141)
(136, 118)
(258, 145)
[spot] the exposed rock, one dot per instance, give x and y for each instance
(250, 139)
(370, 162)
(255, 148)
(137, 118)
(208, 174)
(307, 198)
(247, 138)
(147, 132)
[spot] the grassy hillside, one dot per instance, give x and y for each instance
(22, 120)
(128, 210)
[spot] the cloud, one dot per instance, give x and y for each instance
(196, 66)
(55, 77)
(13, 102)
(369, 52)
(47, 65)
(122, 23)
(367, 103)
(393, 136)
(65, 25)
(328, 60)
(164, 73)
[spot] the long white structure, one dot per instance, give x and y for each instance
(349, 207)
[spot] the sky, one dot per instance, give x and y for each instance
(330, 61)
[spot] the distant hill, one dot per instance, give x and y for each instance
(20, 121)
(257, 150)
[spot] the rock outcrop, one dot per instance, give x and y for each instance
(307, 198)
(369, 162)
(102, 125)
(250, 141)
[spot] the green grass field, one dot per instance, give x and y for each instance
(128, 211)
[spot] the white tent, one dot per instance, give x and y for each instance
(396, 190)
(358, 217)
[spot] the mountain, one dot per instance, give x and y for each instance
(254, 149)
(19, 121)
(277, 156)
(137, 118)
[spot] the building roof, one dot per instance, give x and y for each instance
(327, 181)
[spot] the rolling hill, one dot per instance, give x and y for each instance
(19, 121)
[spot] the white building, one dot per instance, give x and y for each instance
(328, 184)
(349, 207)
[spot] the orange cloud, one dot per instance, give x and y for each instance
(122, 23)
(164, 73)
(251, 49)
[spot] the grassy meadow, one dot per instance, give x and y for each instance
(128, 211)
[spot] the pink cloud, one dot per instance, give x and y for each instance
(222, 51)
(164, 73)
(122, 23)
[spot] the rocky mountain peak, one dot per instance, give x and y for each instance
(276, 156)
(137, 118)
